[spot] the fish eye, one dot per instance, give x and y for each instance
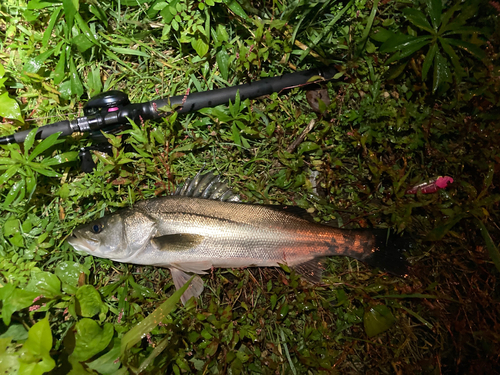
(97, 228)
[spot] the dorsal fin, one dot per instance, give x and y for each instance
(207, 186)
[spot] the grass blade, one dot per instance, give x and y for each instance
(368, 28)
(136, 334)
(490, 245)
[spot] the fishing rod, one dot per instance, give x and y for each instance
(109, 112)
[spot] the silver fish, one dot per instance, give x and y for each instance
(202, 226)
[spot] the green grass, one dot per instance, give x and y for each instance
(386, 130)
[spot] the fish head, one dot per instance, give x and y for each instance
(103, 238)
(118, 236)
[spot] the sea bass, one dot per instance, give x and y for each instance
(203, 226)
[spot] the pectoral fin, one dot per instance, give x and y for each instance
(311, 270)
(194, 289)
(177, 242)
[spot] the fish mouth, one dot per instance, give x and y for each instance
(81, 244)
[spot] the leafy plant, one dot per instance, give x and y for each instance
(34, 355)
(21, 167)
(438, 34)
(9, 108)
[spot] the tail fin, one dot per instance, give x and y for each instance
(386, 253)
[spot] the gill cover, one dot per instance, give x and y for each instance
(138, 230)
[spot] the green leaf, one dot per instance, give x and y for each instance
(222, 58)
(28, 141)
(435, 8)
(60, 68)
(465, 11)
(30, 182)
(86, 30)
(490, 245)
(76, 84)
(236, 8)
(69, 273)
(48, 31)
(136, 334)
(65, 90)
(461, 30)
(9, 361)
(307, 147)
(91, 339)
(70, 9)
(14, 299)
(469, 47)
(82, 42)
(439, 232)
(379, 319)
(410, 49)
(429, 58)
(167, 14)
(441, 71)
(9, 108)
(16, 332)
(90, 302)
(44, 283)
(221, 33)
(77, 368)
(403, 42)
(7, 161)
(455, 60)
(35, 358)
(48, 142)
(381, 35)
(17, 190)
(33, 65)
(417, 18)
(108, 363)
(445, 18)
(7, 175)
(141, 290)
(15, 154)
(65, 157)
(40, 4)
(200, 46)
(129, 51)
(94, 82)
(236, 135)
(11, 227)
(44, 171)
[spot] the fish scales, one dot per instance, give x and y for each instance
(192, 235)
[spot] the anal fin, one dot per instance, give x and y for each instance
(198, 267)
(194, 289)
(311, 270)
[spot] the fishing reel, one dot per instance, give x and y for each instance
(101, 105)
